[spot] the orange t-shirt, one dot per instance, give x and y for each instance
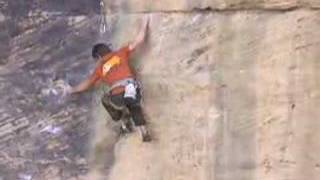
(114, 67)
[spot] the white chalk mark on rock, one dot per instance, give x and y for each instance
(52, 130)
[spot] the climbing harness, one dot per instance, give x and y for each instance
(130, 85)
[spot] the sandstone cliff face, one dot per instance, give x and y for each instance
(134, 6)
(229, 93)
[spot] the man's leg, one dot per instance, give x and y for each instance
(138, 117)
(114, 111)
(116, 108)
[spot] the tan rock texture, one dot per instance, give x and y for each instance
(229, 95)
(135, 6)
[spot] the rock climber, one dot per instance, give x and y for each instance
(113, 68)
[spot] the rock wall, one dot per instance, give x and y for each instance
(230, 90)
(135, 6)
(230, 93)
(42, 136)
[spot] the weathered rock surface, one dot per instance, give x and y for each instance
(136, 6)
(228, 94)
(43, 136)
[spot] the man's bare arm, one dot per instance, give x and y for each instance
(141, 36)
(85, 85)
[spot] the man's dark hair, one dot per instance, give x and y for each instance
(100, 50)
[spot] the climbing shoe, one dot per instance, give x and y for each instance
(126, 126)
(144, 134)
(146, 137)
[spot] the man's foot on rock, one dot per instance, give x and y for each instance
(146, 137)
(145, 134)
(126, 127)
